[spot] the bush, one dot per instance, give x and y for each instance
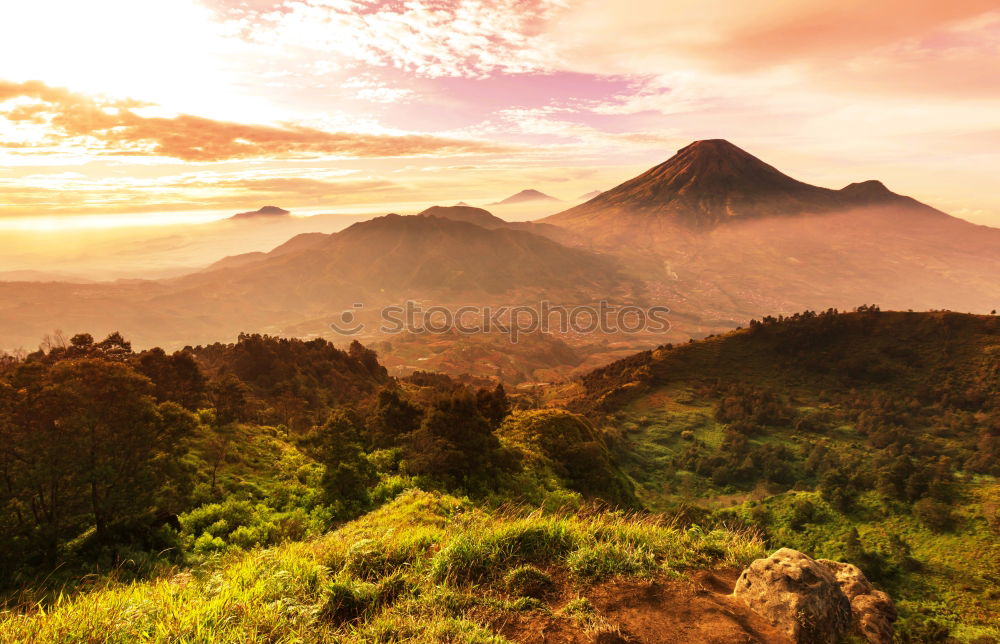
(527, 581)
(475, 555)
(935, 515)
(604, 560)
(349, 600)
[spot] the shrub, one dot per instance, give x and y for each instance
(603, 560)
(367, 559)
(475, 555)
(527, 581)
(527, 603)
(935, 515)
(349, 600)
(579, 607)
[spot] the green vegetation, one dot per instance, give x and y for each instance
(281, 490)
(426, 567)
(869, 437)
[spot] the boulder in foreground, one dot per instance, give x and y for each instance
(873, 612)
(798, 595)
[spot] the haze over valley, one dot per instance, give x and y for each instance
(500, 322)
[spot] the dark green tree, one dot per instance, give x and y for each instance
(339, 446)
(392, 419)
(493, 405)
(454, 443)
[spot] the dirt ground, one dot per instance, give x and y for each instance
(699, 610)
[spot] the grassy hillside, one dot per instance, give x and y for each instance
(872, 437)
(301, 494)
(426, 567)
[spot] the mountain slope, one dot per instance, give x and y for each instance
(721, 235)
(311, 278)
(871, 437)
(711, 182)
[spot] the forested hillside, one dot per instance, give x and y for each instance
(229, 475)
(867, 436)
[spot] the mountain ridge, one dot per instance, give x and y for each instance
(265, 212)
(525, 196)
(711, 182)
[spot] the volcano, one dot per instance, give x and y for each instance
(266, 212)
(723, 236)
(525, 196)
(708, 183)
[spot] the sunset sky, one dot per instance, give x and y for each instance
(175, 110)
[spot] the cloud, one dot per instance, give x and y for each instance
(891, 45)
(432, 38)
(374, 90)
(52, 119)
(69, 193)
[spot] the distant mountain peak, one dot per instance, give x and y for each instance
(462, 204)
(524, 196)
(872, 187)
(710, 182)
(264, 212)
(712, 146)
(590, 195)
(470, 214)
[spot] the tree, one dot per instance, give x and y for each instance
(454, 442)
(493, 405)
(392, 419)
(230, 397)
(122, 436)
(365, 356)
(935, 515)
(349, 474)
(836, 488)
(87, 446)
(175, 377)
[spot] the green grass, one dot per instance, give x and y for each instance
(657, 407)
(424, 568)
(957, 582)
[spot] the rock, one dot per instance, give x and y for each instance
(798, 595)
(873, 612)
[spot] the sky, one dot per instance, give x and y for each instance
(118, 112)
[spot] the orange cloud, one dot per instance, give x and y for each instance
(896, 44)
(112, 127)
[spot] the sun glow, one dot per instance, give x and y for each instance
(54, 224)
(169, 53)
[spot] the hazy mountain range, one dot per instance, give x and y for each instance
(713, 233)
(722, 234)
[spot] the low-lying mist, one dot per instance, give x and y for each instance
(147, 252)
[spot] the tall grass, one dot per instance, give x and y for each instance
(426, 567)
